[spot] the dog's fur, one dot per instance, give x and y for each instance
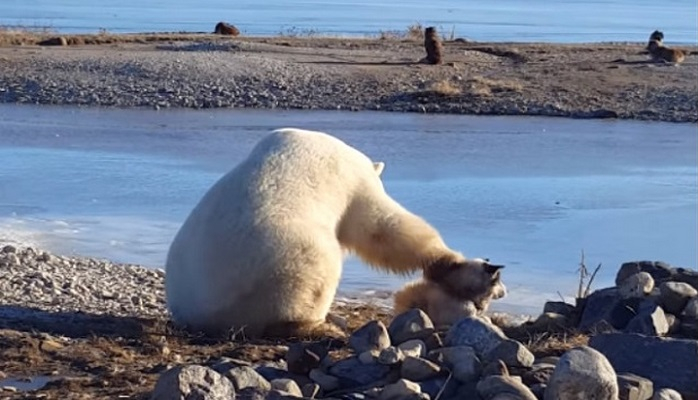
(661, 53)
(450, 291)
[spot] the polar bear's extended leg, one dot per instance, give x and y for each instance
(389, 237)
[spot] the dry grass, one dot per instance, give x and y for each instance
(414, 32)
(546, 344)
(445, 88)
(481, 86)
(11, 37)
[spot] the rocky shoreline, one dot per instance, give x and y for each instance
(79, 328)
(207, 71)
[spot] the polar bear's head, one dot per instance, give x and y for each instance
(475, 279)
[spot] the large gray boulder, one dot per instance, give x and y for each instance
(660, 271)
(411, 324)
(668, 363)
(372, 336)
(511, 352)
(674, 296)
(650, 320)
(636, 285)
(477, 333)
(633, 387)
(503, 387)
(193, 382)
(606, 305)
(582, 373)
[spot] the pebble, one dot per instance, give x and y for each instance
(201, 74)
(63, 284)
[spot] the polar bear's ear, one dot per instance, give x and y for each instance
(379, 166)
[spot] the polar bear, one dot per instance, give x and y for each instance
(262, 250)
(449, 294)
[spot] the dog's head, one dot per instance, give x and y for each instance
(475, 279)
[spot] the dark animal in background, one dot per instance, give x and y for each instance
(661, 53)
(224, 28)
(433, 46)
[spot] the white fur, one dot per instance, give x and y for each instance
(265, 243)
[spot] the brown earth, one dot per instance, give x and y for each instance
(605, 80)
(84, 356)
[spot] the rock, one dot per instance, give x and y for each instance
(650, 320)
(550, 322)
(302, 357)
(433, 341)
(354, 373)
(462, 361)
(668, 363)
(512, 353)
(691, 309)
(243, 377)
(418, 369)
(687, 276)
(442, 384)
(224, 28)
(327, 382)
(311, 390)
(476, 333)
(659, 271)
(667, 394)
(675, 295)
(192, 382)
(402, 389)
(539, 373)
(582, 373)
(548, 360)
(673, 323)
(390, 356)
(467, 391)
(54, 41)
(9, 249)
(369, 357)
(538, 390)
(412, 324)
(372, 336)
(413, 348)
(495, 387)
(636, 285)
(288, 386)
(689, 319)
(606, 305)
(633, 387)
(558, 307)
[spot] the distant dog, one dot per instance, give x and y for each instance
(661, 53)
(223, 28)
(447, 296)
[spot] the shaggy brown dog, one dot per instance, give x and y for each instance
(223, 28)
(448, 294)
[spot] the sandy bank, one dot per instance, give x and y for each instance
(203, 71)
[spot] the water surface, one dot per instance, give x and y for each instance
(531, 193)
(501, 20)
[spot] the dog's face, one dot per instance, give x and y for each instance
(657, 35)
(476, 280)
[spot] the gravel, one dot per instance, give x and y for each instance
(552, 80)
(36, 279)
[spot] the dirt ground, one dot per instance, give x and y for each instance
(606, 80)
(83, 356)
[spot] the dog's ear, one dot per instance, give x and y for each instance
(492, 268)
(441, 269)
